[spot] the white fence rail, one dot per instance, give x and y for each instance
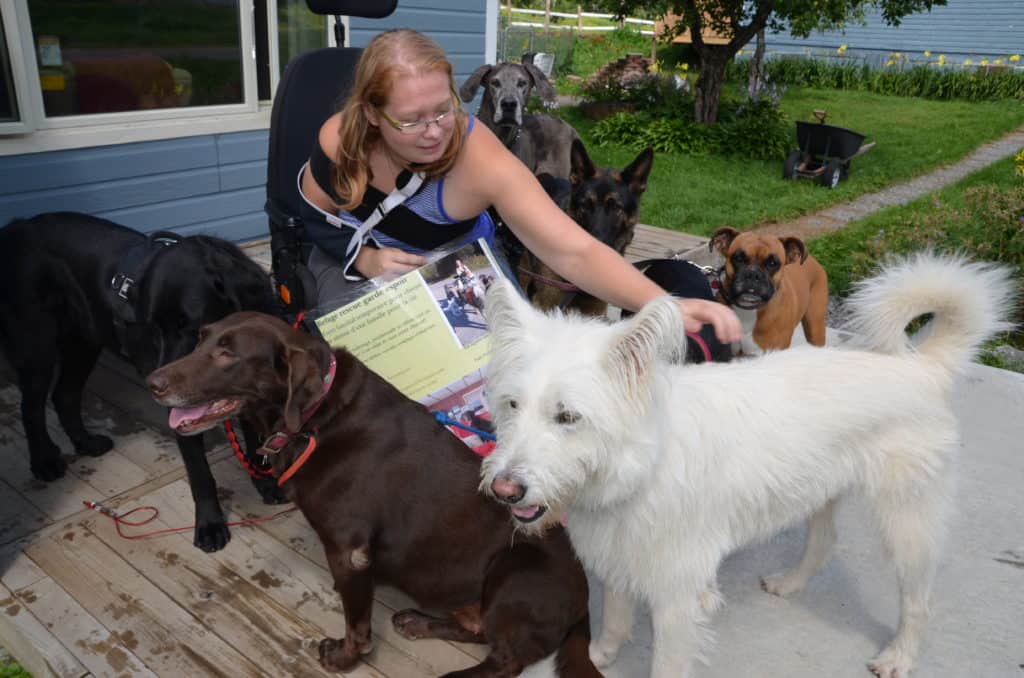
(579, 16)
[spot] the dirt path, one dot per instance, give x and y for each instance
(835, 217)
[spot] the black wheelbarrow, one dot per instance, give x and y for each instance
(825, 153)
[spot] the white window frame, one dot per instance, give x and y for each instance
(9, 15)
(36, 133)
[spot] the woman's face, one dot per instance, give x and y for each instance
(417, 98)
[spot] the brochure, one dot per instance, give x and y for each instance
(425, 333)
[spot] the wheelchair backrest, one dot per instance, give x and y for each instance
(312, 88)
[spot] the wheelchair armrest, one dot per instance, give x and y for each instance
(279, 214)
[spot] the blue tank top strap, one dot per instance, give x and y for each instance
(440, 180)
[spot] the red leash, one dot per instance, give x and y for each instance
(120, 519)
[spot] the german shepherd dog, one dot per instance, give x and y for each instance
(603, 201)
(73, 284)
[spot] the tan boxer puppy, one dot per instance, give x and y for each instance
(772, 283)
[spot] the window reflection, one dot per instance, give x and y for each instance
(105, 56)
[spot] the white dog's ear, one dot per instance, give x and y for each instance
(506, 312)
(655, 332)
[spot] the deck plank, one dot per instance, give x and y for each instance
(226, 604)
(30, 640)
(57, 500)
(169, 640)
(96, 649)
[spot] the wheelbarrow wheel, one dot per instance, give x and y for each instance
(832, 174)
(792, 162)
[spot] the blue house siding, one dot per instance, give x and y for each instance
(211, 184)
(962, 28)
(458, 26)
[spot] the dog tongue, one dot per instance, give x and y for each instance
(525, 512)
(181, 414)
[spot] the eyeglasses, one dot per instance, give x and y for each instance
(420, 126)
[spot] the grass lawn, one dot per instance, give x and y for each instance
(697, 194)
(948, 220)
(981, 215)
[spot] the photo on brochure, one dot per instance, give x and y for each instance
(464, 404)
(458, 283)
(425, 333)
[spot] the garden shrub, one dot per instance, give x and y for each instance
(747, 128)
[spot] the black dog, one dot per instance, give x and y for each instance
(606, 203)
(685, 279)
(72, 284)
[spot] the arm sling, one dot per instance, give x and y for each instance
(406, 185)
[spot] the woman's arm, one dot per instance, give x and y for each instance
(563, 245)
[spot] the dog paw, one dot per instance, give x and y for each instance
(601, 656)
(212, 536)
(891, 664)
(410, 624)
(49, 469)
(336, 655)
(270, 491)
(94, 445)
(780, 585)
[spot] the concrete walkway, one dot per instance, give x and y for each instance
(835, 217)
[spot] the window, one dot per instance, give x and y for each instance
(8, 96)
(120, 56)
(133, 70)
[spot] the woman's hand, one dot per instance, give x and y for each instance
(697, 312)
(390, 261)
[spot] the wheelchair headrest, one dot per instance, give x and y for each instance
(369, 9)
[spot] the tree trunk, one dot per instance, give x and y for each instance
(756, 80)
(713, 60)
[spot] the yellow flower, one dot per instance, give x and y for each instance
(738, 53)
(890, 62)
(684, 66)
(841, 49)
(997, 62)
(1015, 58)
(967, 62)
(927, 52)
(984, 62)
(942, 59)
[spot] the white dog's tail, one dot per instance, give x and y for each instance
(968, 302)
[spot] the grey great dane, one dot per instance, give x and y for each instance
(542, 142)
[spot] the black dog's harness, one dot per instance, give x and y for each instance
(130, 268)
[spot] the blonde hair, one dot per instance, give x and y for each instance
(389, 56)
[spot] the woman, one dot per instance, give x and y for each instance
(402, 114)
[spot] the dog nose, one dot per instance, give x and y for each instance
(157, 384)
(508, 105)
(507, 490)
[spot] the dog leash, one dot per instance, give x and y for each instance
(121, 519)
(550, 282)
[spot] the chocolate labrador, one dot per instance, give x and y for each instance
(393, 496)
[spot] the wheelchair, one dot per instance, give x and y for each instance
(312, 88)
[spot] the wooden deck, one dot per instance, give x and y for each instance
(79, 600)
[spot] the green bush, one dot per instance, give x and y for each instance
(930, 81)
(759, 131)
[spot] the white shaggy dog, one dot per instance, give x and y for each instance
(663, 469)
